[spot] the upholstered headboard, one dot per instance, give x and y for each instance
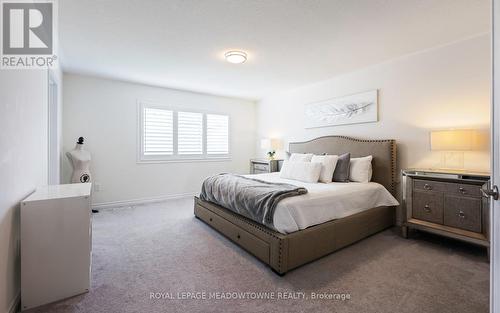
(383, 152)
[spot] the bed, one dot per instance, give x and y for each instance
(286, 248)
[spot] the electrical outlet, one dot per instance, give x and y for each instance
(97, 186)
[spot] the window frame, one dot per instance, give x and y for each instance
(175, 157)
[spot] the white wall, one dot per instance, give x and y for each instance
(105, 113)
(23, 163)
(445, 87)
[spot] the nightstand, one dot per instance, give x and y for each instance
(446, 203)
(258, 166)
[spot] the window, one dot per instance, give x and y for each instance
(167, 134)
(217, 134)
(189, 133)
(158, 132)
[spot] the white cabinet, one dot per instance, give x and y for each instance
(56, 244)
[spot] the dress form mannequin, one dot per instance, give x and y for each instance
(80, 160)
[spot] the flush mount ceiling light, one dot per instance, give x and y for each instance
(236, 57)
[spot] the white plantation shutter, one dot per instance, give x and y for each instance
(217, 134)
(158, 132)
(169, 135)
(189, 133)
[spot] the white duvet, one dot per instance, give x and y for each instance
(324, 202)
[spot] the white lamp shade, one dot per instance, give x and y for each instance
(271, 144)
(454, 140)
(265, 143)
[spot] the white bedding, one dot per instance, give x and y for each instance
(324, 202)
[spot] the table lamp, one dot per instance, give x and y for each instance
(271, 145)
(453, 144)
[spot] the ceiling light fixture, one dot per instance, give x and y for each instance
(235, 57)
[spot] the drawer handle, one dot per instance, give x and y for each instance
(427, 208)
(461, 214)
(462, 190)
(238, 236)
(427, 187)
(210, 219)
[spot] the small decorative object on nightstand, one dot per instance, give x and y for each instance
(448, 203)
(259, 166)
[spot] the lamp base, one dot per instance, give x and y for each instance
(452, 161)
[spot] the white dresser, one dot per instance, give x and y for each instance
(56, 244)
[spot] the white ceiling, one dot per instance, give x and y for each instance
(180, 43)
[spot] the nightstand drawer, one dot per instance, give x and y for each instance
(428, 185)
(428, 206)
(465, 190)
(259, 172)
(261, 167)
(463, 213)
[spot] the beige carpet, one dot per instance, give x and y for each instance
(163, 248)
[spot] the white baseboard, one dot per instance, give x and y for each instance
(123, 203)
(15, 305)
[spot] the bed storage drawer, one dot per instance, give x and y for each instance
(249, 242)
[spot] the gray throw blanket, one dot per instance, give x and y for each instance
(253, 198)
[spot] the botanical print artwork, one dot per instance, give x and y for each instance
(352, 109)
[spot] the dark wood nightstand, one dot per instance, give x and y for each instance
(446, 203)
(258, 166)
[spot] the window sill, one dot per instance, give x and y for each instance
(227, 159)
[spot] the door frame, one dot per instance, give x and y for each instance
(495, 161)
(53, 152)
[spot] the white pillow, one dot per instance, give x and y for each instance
(304, 171)
(300, 157)
(361, 169)
(328, 163)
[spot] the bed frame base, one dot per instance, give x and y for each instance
(286, 252)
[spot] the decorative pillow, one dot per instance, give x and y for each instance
(300, 157)
(328, 163)
(341, 173)
(304, 171)
(361, 169)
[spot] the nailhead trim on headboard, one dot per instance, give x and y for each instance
(392, 147)
(393, 166)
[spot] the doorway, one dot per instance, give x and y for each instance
(53, 130)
